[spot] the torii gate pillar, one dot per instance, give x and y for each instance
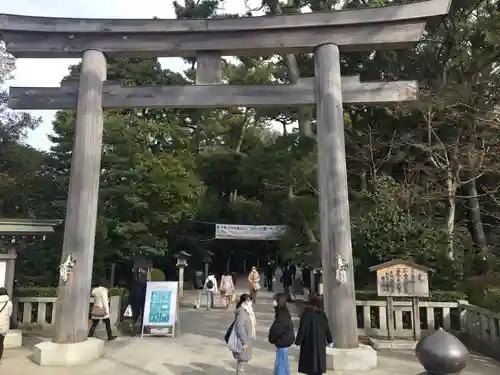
(71, 320)
(339, 295)
(336, 249)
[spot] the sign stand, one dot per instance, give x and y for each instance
(402, 278)
(159, 319)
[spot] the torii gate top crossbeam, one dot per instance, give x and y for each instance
(360, 29)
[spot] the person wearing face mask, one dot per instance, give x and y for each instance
(244, 328)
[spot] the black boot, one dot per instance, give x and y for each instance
(92, 330)
(107, 323)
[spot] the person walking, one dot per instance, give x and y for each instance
(292, 269)
(198, 283)
(269, 276)
(313, 337)
(306, 281)
(227, 289)
(287, 281)
(211, 289)
(245, 330)
(137, 297)
(5, 314)
(254, 283)
(100, 311)
(278, 286)
(281, 334)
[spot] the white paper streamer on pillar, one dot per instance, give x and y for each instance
(340, 270)
(66, 268)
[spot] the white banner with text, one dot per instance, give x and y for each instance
(249, 232)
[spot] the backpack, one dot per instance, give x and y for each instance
(210, 284)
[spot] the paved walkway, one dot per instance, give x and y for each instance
(200, 349)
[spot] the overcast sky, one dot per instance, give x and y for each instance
(49, 72)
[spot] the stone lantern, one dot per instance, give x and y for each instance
(15, 234)
(182, 262)
(142, 261)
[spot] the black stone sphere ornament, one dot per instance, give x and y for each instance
(442, 353)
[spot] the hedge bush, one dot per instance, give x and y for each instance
(52, 292)
(157, 275)
(484, 291)
(492, 299)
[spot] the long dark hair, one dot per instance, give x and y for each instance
(281, 311)
(315, 302)
(243, 298)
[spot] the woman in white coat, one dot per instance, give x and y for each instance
(5, 313)
(100, 310)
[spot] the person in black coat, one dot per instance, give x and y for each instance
(313, 337)
(269, 276)
(137, 297)
(198, 283)
(287, 281)
(281, 334)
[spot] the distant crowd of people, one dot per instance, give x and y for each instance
(287, 279)
(208, 287)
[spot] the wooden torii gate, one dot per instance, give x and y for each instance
(325, 34)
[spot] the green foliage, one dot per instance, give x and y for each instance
(491, 299)
(149, 179)
(484, 291)
(387, 231)
(384, 230)
(157, 275)
(21, 166)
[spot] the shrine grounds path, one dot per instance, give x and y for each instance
(200, 349)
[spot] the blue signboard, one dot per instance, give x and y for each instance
(159, 307)
(161, 304)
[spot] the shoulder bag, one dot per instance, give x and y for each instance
(4, 305)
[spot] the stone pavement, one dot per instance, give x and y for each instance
(200, 349)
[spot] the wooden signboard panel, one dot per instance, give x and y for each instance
(403, 279)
